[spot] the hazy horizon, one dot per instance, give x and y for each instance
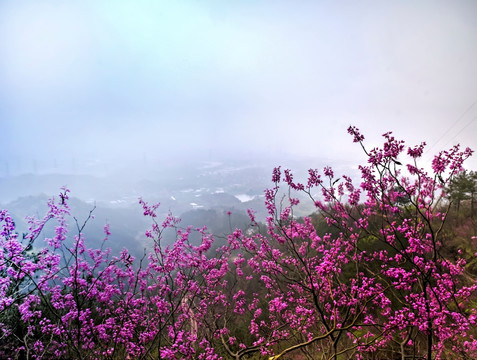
(100, 84)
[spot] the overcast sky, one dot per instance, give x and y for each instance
(97, 80)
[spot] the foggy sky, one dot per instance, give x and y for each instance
(97, 81)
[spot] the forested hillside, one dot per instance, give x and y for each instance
(383, 268)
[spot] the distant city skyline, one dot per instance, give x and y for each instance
(116, 82)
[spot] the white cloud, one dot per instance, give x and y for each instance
(218, 76)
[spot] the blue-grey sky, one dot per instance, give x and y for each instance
(96, 80)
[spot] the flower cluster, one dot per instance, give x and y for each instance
(365, 276)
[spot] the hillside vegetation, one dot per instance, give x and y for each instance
(383, 269)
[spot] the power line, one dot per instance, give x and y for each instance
(470, 122)
(454, 124)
